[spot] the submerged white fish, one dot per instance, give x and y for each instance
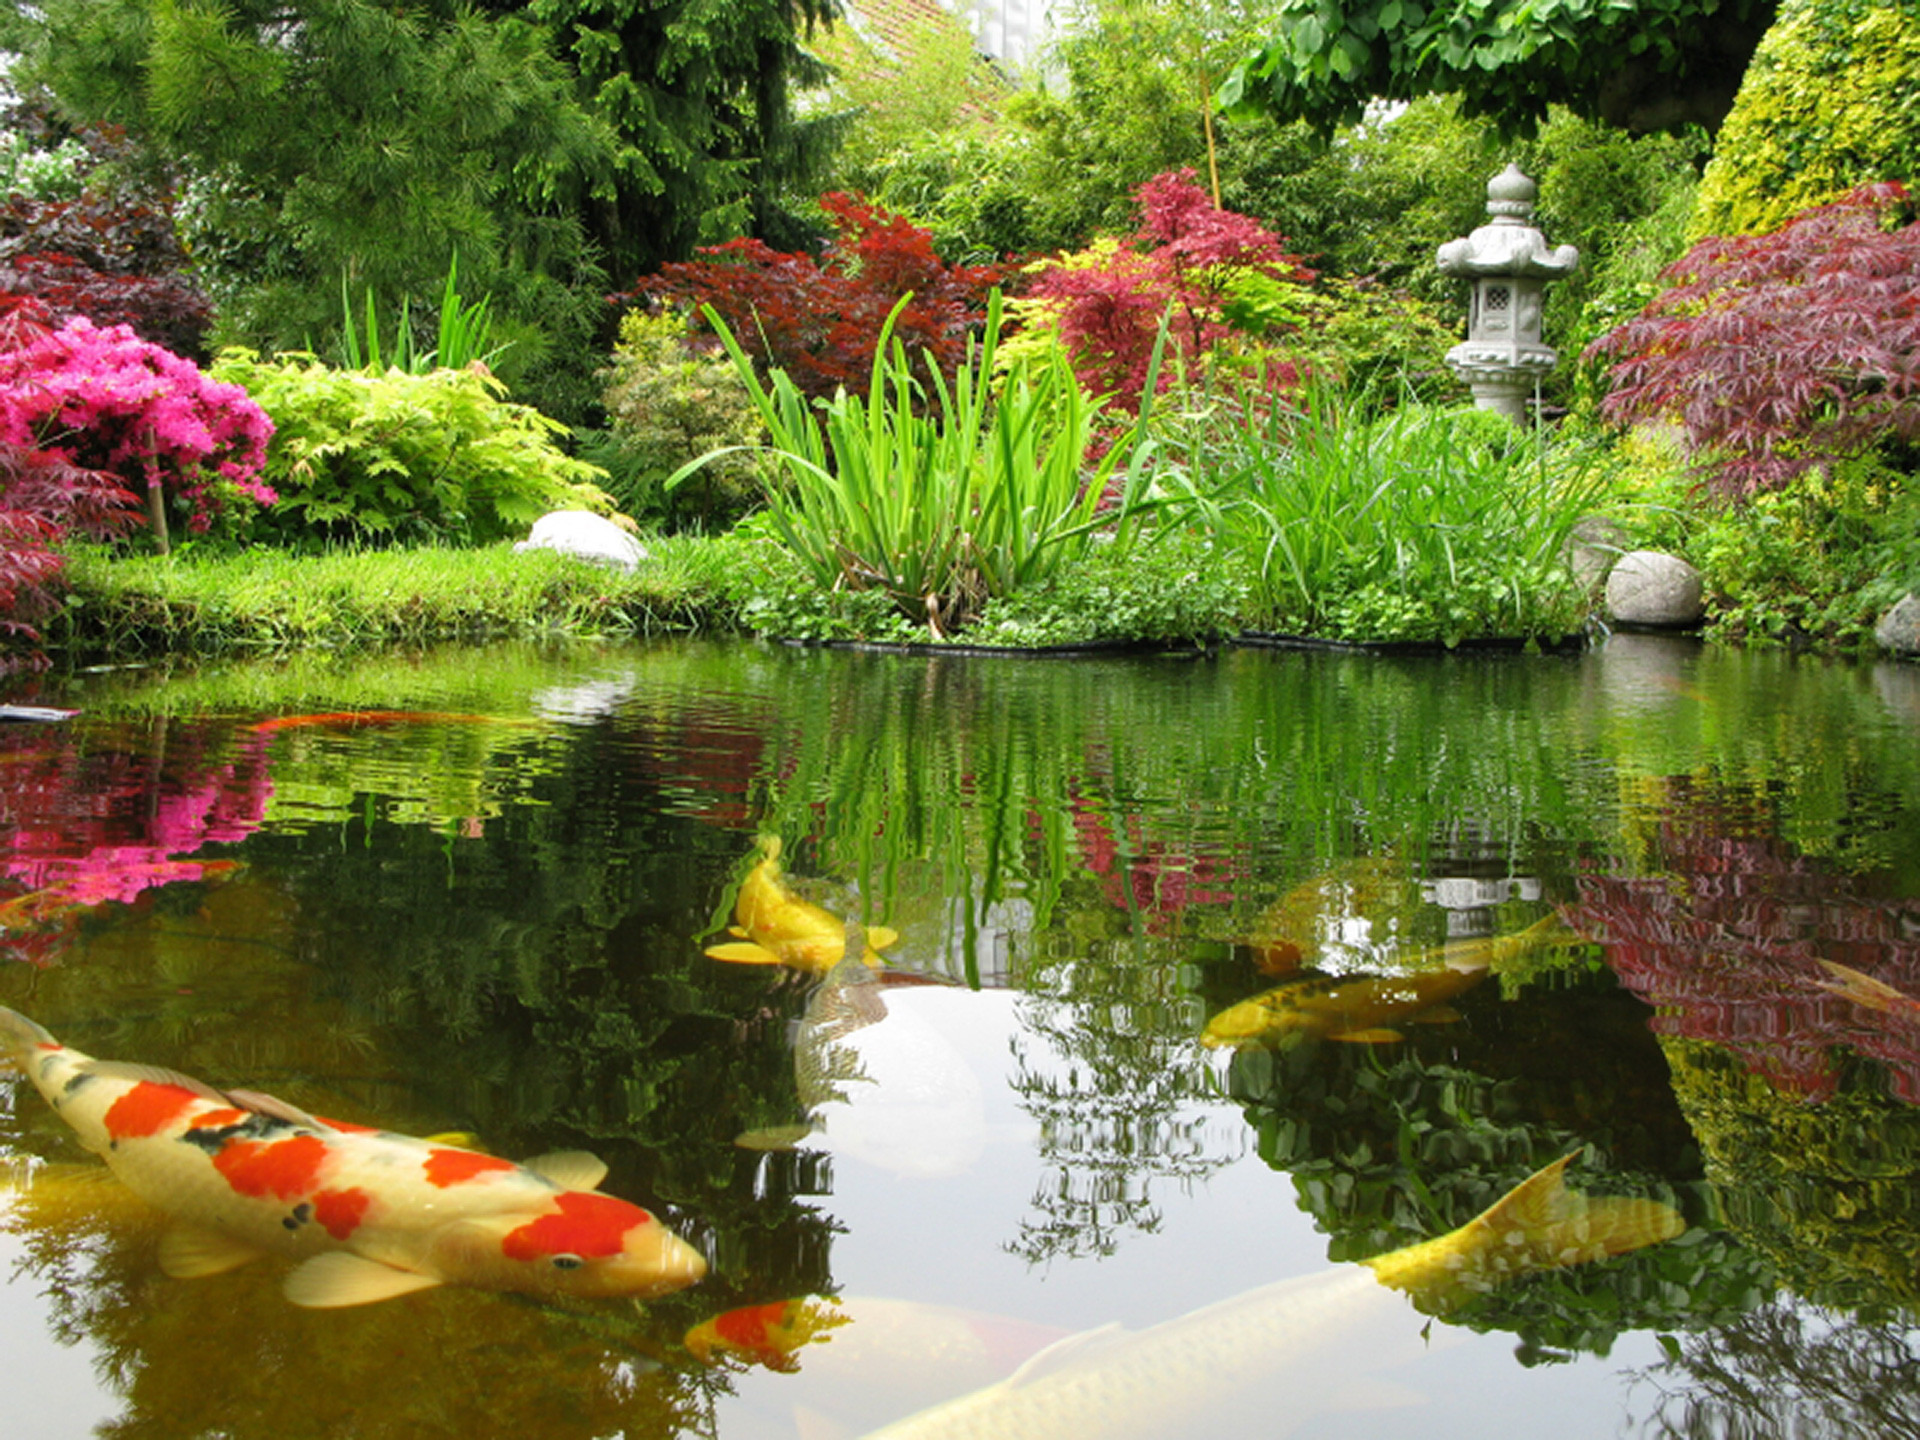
(1212, 1371)
(879, 1083)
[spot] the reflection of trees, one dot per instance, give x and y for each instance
(1724, 925)
(1789, 1370)
(1390, 1145)
(1113, 1084)
(1803, 1100)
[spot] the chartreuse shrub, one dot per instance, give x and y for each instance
(1419, 524)
(1830, 102)
(399, 457)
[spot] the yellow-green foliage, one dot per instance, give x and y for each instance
(1831, 101)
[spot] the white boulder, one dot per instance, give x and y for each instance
(585, 536)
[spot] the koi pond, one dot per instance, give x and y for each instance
(1206, 990)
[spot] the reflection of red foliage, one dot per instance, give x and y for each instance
(1146, 876)
(1725, 942)
(89, 826)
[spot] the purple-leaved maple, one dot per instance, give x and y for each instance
(1784, 352)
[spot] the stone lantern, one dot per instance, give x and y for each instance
(1509, 264)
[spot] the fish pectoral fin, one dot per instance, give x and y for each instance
(743, 952)
(279, 1109)
(155, 1075)
(1436, 1015)
(879, 937)
(569, 1169)
(338, 1279)
(1373, 1035)
(188, 1252)
(773, 1137)
(1068, 1351)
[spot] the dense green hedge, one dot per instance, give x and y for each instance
(1831, 101)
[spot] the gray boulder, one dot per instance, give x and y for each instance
(1899, 628)
(1650, 587)
(585, 536)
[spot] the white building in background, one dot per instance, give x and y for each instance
(1011, 31)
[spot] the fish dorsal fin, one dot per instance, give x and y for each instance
(278, 1109)
(1064, 1352)
(155, 1075)
(569, 1169)
(188, 1252)
(338, 1279)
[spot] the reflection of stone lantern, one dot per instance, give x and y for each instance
(1509, 264)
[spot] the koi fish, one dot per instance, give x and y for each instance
(368, 1213)
(1216, 1366)
(1862, 989)
(880, 1083)
(776, 927)
(767, 1334)
(1364, 1009)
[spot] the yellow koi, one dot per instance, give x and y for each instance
(1365, 1008)
(776, 927)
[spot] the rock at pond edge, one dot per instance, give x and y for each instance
(1650, 587)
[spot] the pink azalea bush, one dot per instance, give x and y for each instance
(104, 399)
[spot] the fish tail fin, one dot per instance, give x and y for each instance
(1538, 1225)
(19, 1036)
(1861, 988)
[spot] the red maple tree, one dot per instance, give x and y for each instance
(820, 319)
(1784, 352)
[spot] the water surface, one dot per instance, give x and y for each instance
(470, 891)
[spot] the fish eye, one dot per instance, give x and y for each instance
(567, 1262)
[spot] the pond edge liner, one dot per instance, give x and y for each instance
(1197, 648)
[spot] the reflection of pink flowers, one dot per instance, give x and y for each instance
(107, 826)
(1725, 943)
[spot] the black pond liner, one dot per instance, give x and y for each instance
(1567, 645)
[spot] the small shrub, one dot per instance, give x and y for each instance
(671, 401)
(1781, 353)
(405, 457)
(104, 399)
(820, 321)
(1179, 268)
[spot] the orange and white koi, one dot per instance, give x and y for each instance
(776, 927)
(369, 1214)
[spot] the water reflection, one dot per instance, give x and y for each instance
(489, 917)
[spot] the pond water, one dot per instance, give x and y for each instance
(1583, 906)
